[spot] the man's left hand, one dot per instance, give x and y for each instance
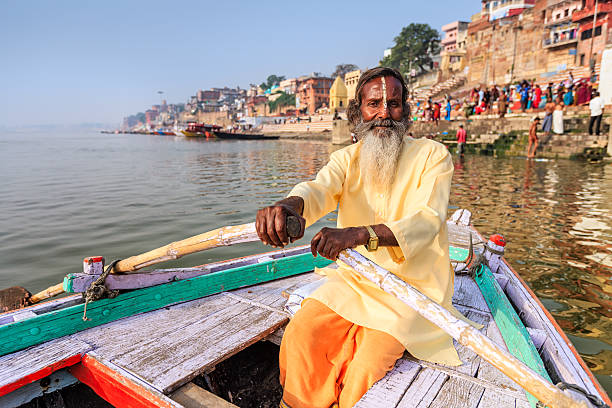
(330, 241)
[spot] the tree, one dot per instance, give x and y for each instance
(343, 69)
(416, 43)
(271, 81)
(283, 100)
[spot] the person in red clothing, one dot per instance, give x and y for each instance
(461, 139)
(537, 97)
(436, 113)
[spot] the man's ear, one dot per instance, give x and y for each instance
(353, 114)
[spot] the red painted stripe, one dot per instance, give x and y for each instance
(114, 387)
(602, 393)
(30, 378)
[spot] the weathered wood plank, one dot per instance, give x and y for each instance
(170, 361)
(26, 366)
(18, 335)
(119, 386)
(468, 294)
(46, 385)
(423, 389)
(389, 390)
(492, 398)
(192, 396)
(458, 393)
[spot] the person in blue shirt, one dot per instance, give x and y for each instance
(524, 96)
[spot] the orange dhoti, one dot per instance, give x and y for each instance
(327, 360)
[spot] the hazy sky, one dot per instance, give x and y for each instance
(71, 62)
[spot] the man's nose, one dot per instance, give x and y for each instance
(383, 113)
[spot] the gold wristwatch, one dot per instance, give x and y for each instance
(372, 241)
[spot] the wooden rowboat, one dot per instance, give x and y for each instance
(243, 136)
(191, 326)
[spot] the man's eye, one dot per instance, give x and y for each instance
(373, 103)
(394, 104)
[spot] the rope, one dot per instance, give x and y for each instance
(98, 290)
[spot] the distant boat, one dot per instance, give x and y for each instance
(200, 130)
(242, 136)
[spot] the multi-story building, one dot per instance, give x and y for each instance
(451, 35)
(496, 9)
(592, 40)
(313, 93)
(151, 116)
(453, 46)
(289, 86)
(560, 38)
(208, 96)
(350, 81)
(504, 42)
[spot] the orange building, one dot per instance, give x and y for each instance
(593, 40)
(313, 93)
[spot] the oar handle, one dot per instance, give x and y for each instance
(461, 331)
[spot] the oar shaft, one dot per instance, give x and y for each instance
(47, 293)
(213, 239)
(461, 331)
(220, 237)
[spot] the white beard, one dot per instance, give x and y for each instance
(378, 159)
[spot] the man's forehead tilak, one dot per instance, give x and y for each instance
(384, 91)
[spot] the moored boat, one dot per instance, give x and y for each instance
(200, 130)
(243, 135)
(155, 358)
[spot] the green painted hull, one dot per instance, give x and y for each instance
(48, 326)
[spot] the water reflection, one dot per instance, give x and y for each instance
(69, 196)
(556, 216)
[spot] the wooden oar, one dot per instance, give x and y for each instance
(461, 331)
(219, 237)
(223, 236)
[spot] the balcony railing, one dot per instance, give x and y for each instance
(550, 43)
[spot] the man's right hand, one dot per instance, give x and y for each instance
(271, 221)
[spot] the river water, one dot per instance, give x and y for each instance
(64, 196)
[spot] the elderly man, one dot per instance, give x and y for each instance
(392, 194)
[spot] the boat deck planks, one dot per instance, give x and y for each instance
(167, 348)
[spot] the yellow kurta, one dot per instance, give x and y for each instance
(415, 211)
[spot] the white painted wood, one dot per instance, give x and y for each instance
(538, 337)
(555, 351)
(458, 393)
(559, 360)
(56, 381)
(468, 294)
(174, 359)
(423, 389)
(15, 366)
(388, 391)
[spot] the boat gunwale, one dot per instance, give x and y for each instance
(515, 277)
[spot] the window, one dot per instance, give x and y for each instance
(586, 34)
(597, 31)
(340, 103)
(581, 59)
(566, 13)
